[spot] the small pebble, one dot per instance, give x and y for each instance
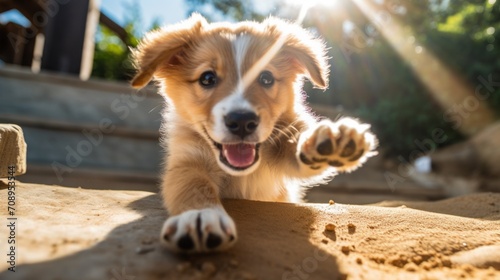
(330, 227)
(324, 241)
(331, 202)
(351, 228)
(411, 267)
(345, 250)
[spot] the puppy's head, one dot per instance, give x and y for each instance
(231, 82)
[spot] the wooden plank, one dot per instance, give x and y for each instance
(94, 178)
(65, 49)
(113, 26)
(61, 99)
(27, 121)
(104, 86)
(69, 151)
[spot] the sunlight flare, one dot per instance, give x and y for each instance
(311, 3)
(448, 89)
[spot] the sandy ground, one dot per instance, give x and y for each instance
(68, 233)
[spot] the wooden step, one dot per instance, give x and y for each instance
(71, 124)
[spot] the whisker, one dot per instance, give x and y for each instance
(154, 108)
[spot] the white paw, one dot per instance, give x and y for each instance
(344, 144)
(204, 230)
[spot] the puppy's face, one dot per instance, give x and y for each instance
(231, 82)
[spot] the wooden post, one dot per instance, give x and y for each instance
(69, 38)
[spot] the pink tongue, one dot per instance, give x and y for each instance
(239, 155)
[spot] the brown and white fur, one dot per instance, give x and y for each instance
(235, 124)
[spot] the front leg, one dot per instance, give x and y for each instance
(344, 145)
(198, 221)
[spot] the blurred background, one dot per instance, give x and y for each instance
(424, 73)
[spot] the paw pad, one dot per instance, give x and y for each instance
(349, 149)
(202, 230)
(325, 148)
(185, 243)
(344, 145)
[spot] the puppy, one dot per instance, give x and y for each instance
(235, 124)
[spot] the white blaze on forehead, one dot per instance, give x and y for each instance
(240, 48)
(241, 45)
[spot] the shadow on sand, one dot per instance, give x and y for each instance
(273, 244)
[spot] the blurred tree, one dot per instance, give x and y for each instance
(461, 35)
(111, 57)
(467, 39)
(111, 54)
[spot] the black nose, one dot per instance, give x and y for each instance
(241, 123)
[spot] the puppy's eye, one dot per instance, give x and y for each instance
(208, 79)
(266, 79)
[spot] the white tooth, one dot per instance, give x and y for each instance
(224, 152)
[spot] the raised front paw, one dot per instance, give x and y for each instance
(344, 144)
(204, 230)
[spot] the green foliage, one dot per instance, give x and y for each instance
(474, 51)
(403, 119)
(377, 85)
(454, 23)
(111, 57)
(111, 53)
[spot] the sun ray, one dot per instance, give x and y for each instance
(447, 88)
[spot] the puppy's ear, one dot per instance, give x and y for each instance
(311, 58)
(304, 50)
(163, 47)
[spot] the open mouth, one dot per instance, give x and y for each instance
(238, 156)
